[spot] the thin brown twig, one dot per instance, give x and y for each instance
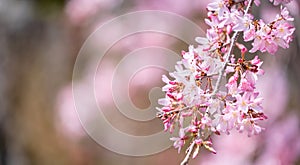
(188, 155)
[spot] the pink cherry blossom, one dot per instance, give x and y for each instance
(277, 2)
(179, 141)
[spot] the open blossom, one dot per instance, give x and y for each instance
(244, 23)
(194, 101)
(218, 6)
(179, 141)
(277, 2)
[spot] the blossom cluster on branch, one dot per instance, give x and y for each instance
(195, 102)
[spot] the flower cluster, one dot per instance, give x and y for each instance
(243, 106)
(267, 37)
(195, 102)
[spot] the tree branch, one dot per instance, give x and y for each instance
(217, 86)
(233, 39)
(188, 155)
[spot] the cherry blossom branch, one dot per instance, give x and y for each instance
(233, 39)
(189, 95)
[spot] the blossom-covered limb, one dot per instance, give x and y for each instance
(194, 102)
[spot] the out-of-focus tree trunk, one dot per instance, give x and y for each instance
(34, 65)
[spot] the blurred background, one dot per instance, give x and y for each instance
(40, 40)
